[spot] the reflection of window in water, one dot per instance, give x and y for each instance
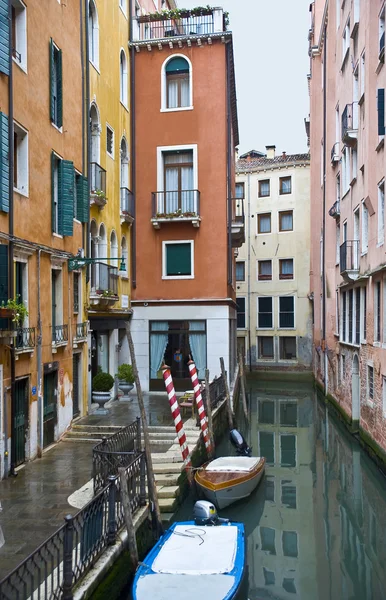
(269, 577)
(289, 414)
(266, 412)
(267, 446)
(270, 489)
(288, 494)
(267, 535)
(287, 450)
(290, 543)
(289, 585)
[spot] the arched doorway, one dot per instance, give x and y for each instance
(355, 393)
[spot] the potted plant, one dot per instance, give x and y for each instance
(125, 380)
(14, 310)
(101, 390)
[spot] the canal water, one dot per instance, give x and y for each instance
(316, 525)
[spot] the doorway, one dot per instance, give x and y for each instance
(99, 352)
(20, 423)
(50, 383)
(355, 392)
(75, 385)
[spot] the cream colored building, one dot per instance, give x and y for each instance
(274, 317)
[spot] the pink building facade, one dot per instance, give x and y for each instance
(348, 260)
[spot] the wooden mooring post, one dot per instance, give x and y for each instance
(242, 384)
(209, 410)
(227, 394)
(131, 538)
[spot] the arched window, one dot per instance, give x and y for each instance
(124, 255)
(124, 172)
(123, 77)
(102, 242)
(93, 34)
(113, 248)
(178, 86)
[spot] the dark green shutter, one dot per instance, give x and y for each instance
(4, 163)
(82, 199)
(381, 112)
(59, 120)
(3, 280)
(66, 197)
(178, 259)
(52, 91)
(4, 37)
(53, 160)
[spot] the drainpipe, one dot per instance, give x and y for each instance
(40, 366)
(229, 166)
(324, 282)
(133, 155)
(88, 146)
(249, 270)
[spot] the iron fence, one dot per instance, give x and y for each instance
(52, 570)
(150, 29)
(81, 330)
(127, 202)
(25, 338)
(60, 333)
(114, 452)
(349, 256)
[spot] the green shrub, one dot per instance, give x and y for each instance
(102, 382)
(125, 373)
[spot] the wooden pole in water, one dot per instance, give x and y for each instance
(242, 384)
(227, 394)
(131, 538)
(209, 410)
(149, 463)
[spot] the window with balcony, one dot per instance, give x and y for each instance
(178, 260)
(264, 270)
(286, 220)
(93, 34)
(176, 84)
(286, 312)
(20, 160)
(285, 185)
(59, 330)
(264, 223)
(286, 268)
(56, 85)
(265, 312)
(178, 181)
(19, 33)
(381, 213)
(287, 348)
(123, 78)
(266, 347)
(264, 188)
(240, 270)
(241, 315)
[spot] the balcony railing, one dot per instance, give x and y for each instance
(127, 202)
(176, 205)
(349, 257)
(60, 334)
(335, 210)
(335, 152)
(188, 23)
(350, 123)
(382, 46)
(238, 222)
(104, 279)
(98, 180)
(25, 338)
(81, 331)
(238, 210)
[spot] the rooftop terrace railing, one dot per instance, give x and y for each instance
(179, 23)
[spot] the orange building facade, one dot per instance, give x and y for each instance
(187, 224)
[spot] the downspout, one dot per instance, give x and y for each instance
(133, 155)
(249, 271)
(324, 282)
(229, 166)
(40, 366)
(88, 146)
(11, 278)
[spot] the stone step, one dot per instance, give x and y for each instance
(166, 468)
(167, 517)
(83, 434)
(168, 491)
(166, 478)
(166, 457)
(96, 428)
(167, 505)
(83, 440)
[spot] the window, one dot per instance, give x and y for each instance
(285, 185)
(363, 74)
(381, 213)
(287, 348)
(345, 41)
(266, 412)
(350, 315)
(286, 268)
(286, 220)
(240, 192)
(346, 170)
(240, 271)
(344, 316)
(288, 494)
(268, 540)
(265, 313)
(289, 585)
(125, 256)
(241, 321)
(19, 33)
(264, 188)
(354, 163)
(264, 223)
(286, 312)
(178, 84)
(76, 291)
(337, 251)
(365, 228)
(123, 6)
(269, 577)
(381, 111)
(264, 270)
(265, 346)
(59, 331)
(343, 366)
(56, 85)
(357, 315)
(178, 182)
(381, 28)
(267, 446)
(383, 396)
(20, 160)
(288, 413)
(363, 313)
(287, 450)
(370, 383)
(269, 488)
(123, 77)
(64, 196)
(21, 290)
(377, 312)
(93, 34)
(178, 260)
(337, 312)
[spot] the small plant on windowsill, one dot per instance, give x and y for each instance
(16, 310)
(99, 194)
(106, 293)
(176, 214)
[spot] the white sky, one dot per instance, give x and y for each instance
(271, 63)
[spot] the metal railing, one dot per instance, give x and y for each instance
(238, 210)
(154, 28)
(349, 256)
(216, 392)
(98, 179)
(104, 278)
(335, 152)
(335, 209)
(177, 203)
(115, 452)
(60, 333)
(25, 338)
(127, 202)
(81, 330)
(57, 565)
(349, 119)
(382, 45)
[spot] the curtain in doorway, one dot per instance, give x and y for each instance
(187, 197)
(171, 191)
(158, 343)
(197, 343)
(172, 93)
(185, 91)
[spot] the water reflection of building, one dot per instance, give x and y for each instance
(281, 552)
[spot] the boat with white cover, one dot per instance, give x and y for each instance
(204, 558)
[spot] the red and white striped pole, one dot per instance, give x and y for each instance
(168, 380)
(200, 407)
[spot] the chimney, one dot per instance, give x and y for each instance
(284, 154)
(270, 151)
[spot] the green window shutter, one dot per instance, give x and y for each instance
(3, 280)
(178, 259)
(82, 199)
(52, 78)
(59, 120)
(4, 37)
(66, 196)
(381, 111)
(4, 163)
(53, 160)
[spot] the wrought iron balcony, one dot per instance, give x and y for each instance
(104, 284)
(334, 211)
(349, 260)
(60, 334)
(25, 338)
(335, 153)
(81, 331)
(127, 205)
(188, 23)
(350, 124)
(176, 206)
(238, 222)
(98, 184)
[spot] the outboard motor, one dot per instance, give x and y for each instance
(239, 443)
(205, 513)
